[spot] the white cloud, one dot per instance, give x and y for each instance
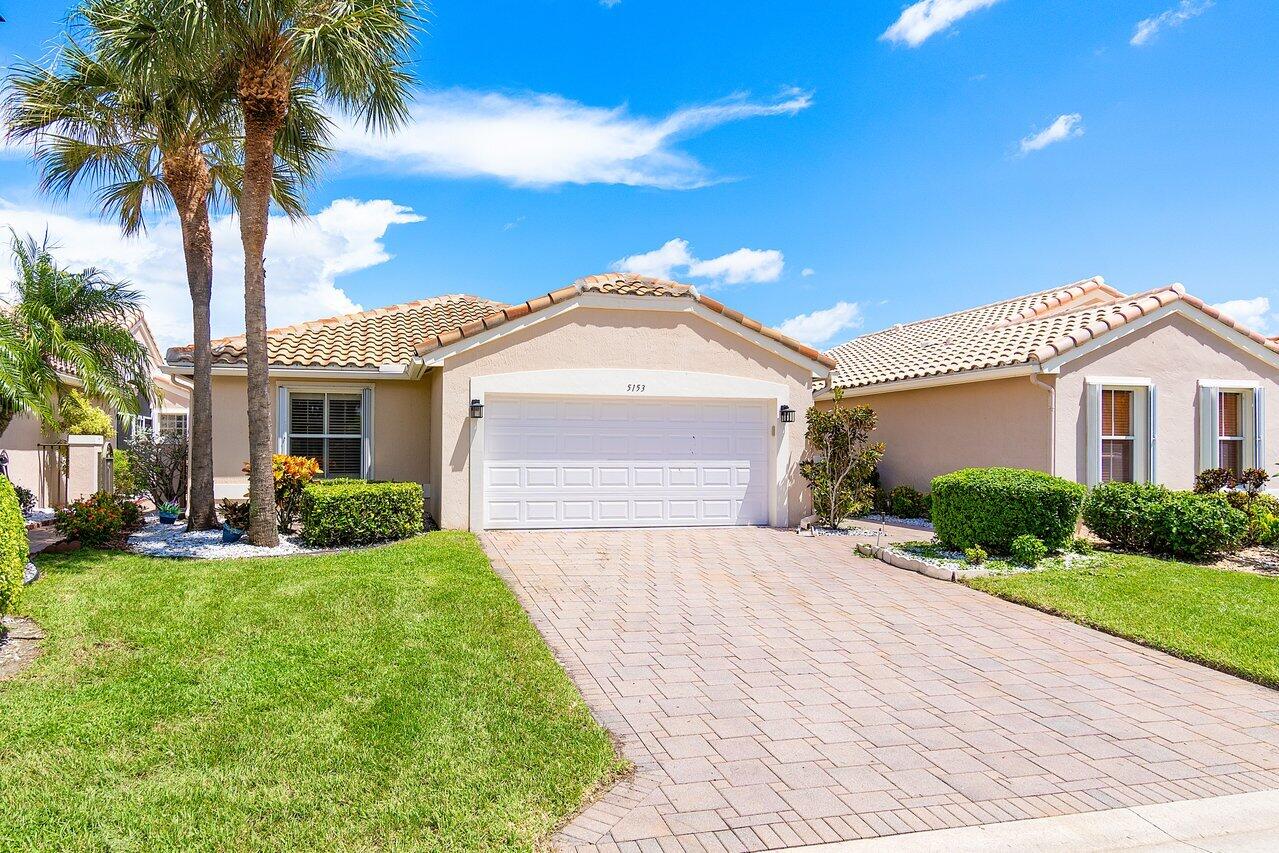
(1064, 127)
(609, 4)
(1174, 17)
(922, 20)
(820, 326)
(541, 140)
(304, 261)
(807, 271)
(674, 260)
(1253, 313)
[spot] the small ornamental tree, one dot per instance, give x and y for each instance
(159, 466)
(840, 459)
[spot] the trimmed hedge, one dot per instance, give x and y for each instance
(991, 507)
(13, 547)
(355, 512)
(1144, 517)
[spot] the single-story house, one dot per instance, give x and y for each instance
(58, 469)
(1080, 381)
(620, 400)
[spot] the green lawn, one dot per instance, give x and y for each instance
(395, 698)
(1224, 619)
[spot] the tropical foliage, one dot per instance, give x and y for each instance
(103, 520)
(61, 327)
(80, 417)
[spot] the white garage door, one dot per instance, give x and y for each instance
(610, 462)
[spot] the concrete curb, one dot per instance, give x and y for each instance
(893, 557)
(1234, 822)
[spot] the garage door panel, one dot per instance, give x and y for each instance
(582, 462)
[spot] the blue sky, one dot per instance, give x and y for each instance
(852, 165)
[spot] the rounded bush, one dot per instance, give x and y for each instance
(1027, 550)
(908, 502)
(1199, 527)
(13, 547)
(1127, 514)
(993, 506)
(356, 512)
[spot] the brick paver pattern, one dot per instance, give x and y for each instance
(775, 690)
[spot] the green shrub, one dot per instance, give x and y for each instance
(13, 547)
(908, 502)
(101, 521)
(1126, 514)
(1081, 545)
(993, 506)
(1198, 527)
(358, 512)
(123, 478)
(26, 500)
(1186, 525)
(1027, 550)
(975, 556)
(840, 460)
(236, 513)
(80, 417)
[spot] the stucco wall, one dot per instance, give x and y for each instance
(21, 440)
(401, 419)
(608, 338)
(1174, 353)
(932, 431)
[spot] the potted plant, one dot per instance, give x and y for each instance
(235, 516)
(168, 512)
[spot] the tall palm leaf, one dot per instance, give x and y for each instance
(60, 327)
(164, 139)
(353, 53)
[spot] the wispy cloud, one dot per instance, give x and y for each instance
(920, 21)
(305, 260)
(807, 271)
(1174, 17)
(540, 140)
(820, 327)
(1064, 127)
(1254, 313)
(673, 259)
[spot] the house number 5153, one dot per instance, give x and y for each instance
(637, 389)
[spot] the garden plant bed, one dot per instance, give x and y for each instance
(173, 540)
(937, 561)
(1221, 618)
(387, 698)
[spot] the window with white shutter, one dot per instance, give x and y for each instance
(330, 428)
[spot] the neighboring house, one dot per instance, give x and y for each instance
(620, 400)
(37, 458)
(1080, 381)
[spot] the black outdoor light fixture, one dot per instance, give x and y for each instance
(477, 409)
(787, 414)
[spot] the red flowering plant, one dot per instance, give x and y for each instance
(103, 520)
(292, 473)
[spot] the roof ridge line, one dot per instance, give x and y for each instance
(1059, 299)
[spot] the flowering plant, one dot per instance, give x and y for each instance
(292, 473)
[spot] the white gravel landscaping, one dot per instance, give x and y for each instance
(917, 523)
(172, 540)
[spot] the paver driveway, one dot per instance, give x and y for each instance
(775, 690)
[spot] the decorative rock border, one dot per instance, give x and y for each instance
(893, 557)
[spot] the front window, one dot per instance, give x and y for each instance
(328, 428)
(1118, 438)
(173, 424)
(1230, 431)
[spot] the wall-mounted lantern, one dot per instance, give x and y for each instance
(477, 409)
(787, 415)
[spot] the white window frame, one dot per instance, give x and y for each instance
(1252, 418)
(284, 434)
(1145, 429)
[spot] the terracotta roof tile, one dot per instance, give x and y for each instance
(1031, 328)
(399, 333)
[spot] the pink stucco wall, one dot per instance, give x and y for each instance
(1174, 353)
(931, 431)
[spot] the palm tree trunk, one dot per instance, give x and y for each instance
(187, 176)
(264, 97)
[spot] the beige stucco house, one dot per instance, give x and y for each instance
(1080, 381)
(620, 400)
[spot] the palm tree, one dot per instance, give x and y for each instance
(60, 327)
(352, 52)
(168, 138)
